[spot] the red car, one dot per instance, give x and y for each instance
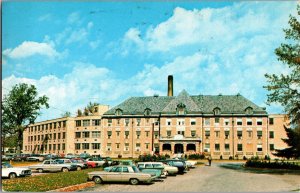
(90, 164)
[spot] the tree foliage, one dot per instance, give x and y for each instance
(20, 107)
(66, 114)
(285, 89)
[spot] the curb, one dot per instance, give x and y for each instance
(74, 187)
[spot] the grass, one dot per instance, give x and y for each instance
(46, 182)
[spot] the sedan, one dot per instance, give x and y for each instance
(120, 173)
(9, 171)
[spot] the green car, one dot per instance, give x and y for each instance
(121, 162)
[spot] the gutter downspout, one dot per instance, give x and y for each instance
(232, 126)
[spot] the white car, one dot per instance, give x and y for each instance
(11, 172)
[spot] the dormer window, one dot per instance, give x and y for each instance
(180, 109)
(119, 112)
(147, 112)
(217, 111)
(249, 111)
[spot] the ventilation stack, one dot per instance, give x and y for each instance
(170, 85)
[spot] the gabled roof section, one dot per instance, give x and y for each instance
(182, 98)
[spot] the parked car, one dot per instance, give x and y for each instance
(99, 161)
(182, 168)
(21, 157)
(84, 155)
(70, 156)
(79, 163)
(168, 170)
(35, 157)
(69, 162)
(90, 164)
(120, 173)
(50, 156)
(155, 168)
(109, 160)
(121, 162)
(189, 163)
(8, 171)
(52, 166)
(7, 157)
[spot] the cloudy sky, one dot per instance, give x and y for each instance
(106, 52)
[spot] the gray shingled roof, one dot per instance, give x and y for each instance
(194, 104)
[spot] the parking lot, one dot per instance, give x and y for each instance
(211, 179)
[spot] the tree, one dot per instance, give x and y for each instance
(285, 89)
(20, 108)
(66, 114)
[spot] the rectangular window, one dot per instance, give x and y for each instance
(77, 134)
(217, 120)
(58, 136)
(118, 121)
(109, 134)
(272, 148)
(138, 121)
(96, 122)
(217, 147)
(96, 145)
(259, 147)
(96, 134)
(64, 135)
(42, 137)
(59, 124)
(226, 134)
(227, 147)
(117, 146)
(207, 147)
(180, 122)
(50, 127)
(226, 122)
(271, 121)
(147, 133)
(207, 121)
(207, 133)
(249, 134)
(271, 134)
(169, 133)
(118, 133)
(50, 147)
(38, 137)
(126, 122)
(85, 134)
(240, 147)
(109, 122)
(217, 134)
(155, 134)
(259, 134)
(35, 138)
(54, 136)
(258, 121)
(193, 122)
(78, 123)
(85, 146)
(63, 146)
(86, 123)
(54, 146)
(126, 147)
(239, 134)
(239, 122)
(147, 145)
(249, 121)
(77, 146)
(64, 123)
(168, 122)
(138, 133)
(58, 147)
(137, 147)
(193, 133)
(126, 134)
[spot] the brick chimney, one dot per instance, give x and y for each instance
(170, 85)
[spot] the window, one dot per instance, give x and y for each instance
(54, 136)
(109, 134)
(118, 121)
(240, 147)
(147, 145)
(155, 134)
(35, 138)
(168, 122)
(137, 147)
(117, 146)
(181, 109)
(64, 123)
(58, 136)
(207, 133)
(138, 121)
(126, 134)
(50, 126)
(63, 146)
(259, 147)
(86, 123)
(126, 147)
(147, 121)
(95, 145)
(193, 133)
(249, 121)
(54, 146)
(272, 148)
(217, 134)
(217, 120)
(147, 133)
(271, 121)
(227, 147)
(193, 122)
(271, 134)
(85, 134)
(217, 111)
(96, 134)
(207, 121)
(96, 122)
(77, 134)
(38, 137)
(50, 147)
(180, 133)
(169, 133)
(259, 134)
(64, 135)
(207, 147)
(239, 134)
(77, 146)
(239, 122)
(58, 147)
(217, 147)
(249, 111)
(180, 122)
(125, 169)
(118, 133)
(147, 112)
(226, 134)
(138, 133)
(78, 123)
(126, 122)
(59, 124)
(249, 134)
(109, 122)
(118, 112)
(85, 146)
(258, 121)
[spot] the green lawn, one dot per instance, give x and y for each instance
(46, 182)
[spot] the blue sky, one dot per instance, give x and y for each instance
(105, 52)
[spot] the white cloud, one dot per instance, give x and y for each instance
(77, 36)
(30, 48)
(73, 18)
(46, 17)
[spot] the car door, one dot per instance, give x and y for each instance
(115, 175)
(126, 175)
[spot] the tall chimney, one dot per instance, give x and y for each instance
(170, 85)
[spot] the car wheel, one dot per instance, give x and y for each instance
(97, 180)
(40, 170)
(134, 181)
(64, 169)
(12, 175)
(78, 168)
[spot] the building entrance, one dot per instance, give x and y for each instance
(178, 148)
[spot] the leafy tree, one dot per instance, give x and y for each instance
(79, 113)
(66, 114)
(20, 107)
(285, 89)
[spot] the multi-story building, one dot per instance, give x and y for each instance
(221, 125)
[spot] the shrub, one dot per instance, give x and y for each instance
(119, 156)
(244, 158)
(196, 156)
(230, 157)
(272, 165)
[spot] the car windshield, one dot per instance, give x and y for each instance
(135, 169)
(178, 163)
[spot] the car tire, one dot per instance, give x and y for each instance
(78, 168)
(134, 181)
(12, 175)
(64, 169)
(97, 180)
(40, 170)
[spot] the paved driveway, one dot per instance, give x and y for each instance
(211, 179)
